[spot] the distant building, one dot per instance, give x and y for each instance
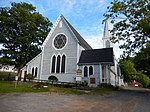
(7, 68)
(64, 52)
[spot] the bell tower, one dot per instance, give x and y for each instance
(106, 36)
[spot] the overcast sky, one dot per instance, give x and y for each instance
(85, 16)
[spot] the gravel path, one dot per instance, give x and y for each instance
(122, 101)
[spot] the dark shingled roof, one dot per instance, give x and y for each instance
(82, 42)
(94, 56)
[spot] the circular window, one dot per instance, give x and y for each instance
(60, 41)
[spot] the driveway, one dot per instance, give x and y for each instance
(137, 100)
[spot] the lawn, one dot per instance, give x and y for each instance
(23, 87)
(9, 87)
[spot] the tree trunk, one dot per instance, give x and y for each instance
(19, 72)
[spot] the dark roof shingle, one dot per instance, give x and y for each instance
(104, 55)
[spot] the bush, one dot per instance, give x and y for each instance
(53, 78)
(84, 83)
(30, 77)
(7, 76)
(145, 80)
(105, 85)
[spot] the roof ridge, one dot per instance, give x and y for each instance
(51, 31)
(81, 40)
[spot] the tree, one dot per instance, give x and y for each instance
(131, 23)
(142, 60)
(22, 32)
(30, 77)
(128, 70)
(130, 73)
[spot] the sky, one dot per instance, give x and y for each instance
(85, 16)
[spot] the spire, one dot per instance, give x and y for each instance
(106, 30)
(106, 36)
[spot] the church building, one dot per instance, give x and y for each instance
(64, 52)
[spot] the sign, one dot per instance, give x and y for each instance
(78, 73)
(78, 78)
(92, 80)
(16, 78)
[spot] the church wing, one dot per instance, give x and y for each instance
(95, 56)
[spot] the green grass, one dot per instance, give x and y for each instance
(9, 87)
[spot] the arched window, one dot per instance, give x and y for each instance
(33, 71)
(53, 64)
(107, 44)
(90, 70)
(36, 71)
(63, 64)
(58, 64)
(85, 71)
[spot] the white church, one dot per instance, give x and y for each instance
(64, 51)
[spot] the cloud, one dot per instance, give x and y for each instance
(117, 50)
(95, 41)
(69, 4)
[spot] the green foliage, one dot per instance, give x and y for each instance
(105, 85)
(7, 76)
(22, 32)
(142, 60)
(30, 77)
(131, 23)
(4, 60)
(84, 84)
(53, 78)
(143, 79)
(130, 73)
(128, 70)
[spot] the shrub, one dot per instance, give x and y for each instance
(30, 77)
(7, 76)
(53, 78)
(84, 84)
(105, 85)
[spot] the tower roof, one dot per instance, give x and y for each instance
(106, 33)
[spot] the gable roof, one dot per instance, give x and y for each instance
(79, 38)
(95, 56)
(82, 42)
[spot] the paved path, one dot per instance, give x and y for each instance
(122, 101)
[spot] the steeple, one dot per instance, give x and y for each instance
(106, 36)
(106, 30)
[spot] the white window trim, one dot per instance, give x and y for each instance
(54, 39)
(56, 63)
(65, 61)
(34, 70)
(88, 66)
(60, 62)
(51, 62)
